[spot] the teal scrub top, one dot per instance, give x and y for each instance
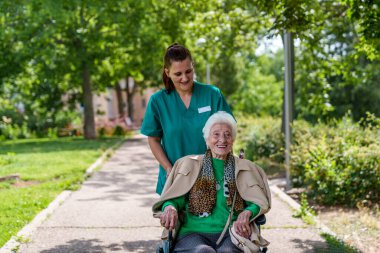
(180, 129)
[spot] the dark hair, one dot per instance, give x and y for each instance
(175, 52)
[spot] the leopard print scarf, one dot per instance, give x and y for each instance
(202, 196)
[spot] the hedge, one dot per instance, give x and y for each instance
(339, 163)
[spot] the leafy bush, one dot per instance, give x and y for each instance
(339, 165)
(17, 123)
(64, 118)
(12, 131)
(119, 131)
(260, 138)
(102, 132)
(112, 130)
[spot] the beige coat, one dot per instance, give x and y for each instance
(251, 182)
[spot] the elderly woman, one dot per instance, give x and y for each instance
(202, 188)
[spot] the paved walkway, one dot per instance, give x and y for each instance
(112, 213)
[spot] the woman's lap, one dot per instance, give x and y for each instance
(205, 243)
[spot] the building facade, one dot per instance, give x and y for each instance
(112, 109)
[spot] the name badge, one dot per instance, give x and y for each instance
(204, 109)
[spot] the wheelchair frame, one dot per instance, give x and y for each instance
(167, 246)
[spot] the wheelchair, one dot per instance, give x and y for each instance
(167, 245)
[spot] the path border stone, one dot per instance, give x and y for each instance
(297, 207)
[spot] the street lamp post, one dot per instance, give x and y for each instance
(208, 73)
(201, 42)
(288, 89)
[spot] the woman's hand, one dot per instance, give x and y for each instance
(169, 218)
(168, 170)
(158, 152)
(242, 224)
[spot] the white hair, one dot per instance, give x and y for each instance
(220, 117)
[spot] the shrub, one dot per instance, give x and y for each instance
(12, 131)
(260, 138)
(102, 132)
(119, 131)
(339, 165)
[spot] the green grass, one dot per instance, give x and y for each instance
(336, 246)
(46, 168)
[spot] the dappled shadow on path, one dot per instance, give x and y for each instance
(141, 246)
(95, 246)
(130, 174)
(121, 186)
(311, 246)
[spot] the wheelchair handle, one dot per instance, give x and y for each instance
(261, 220)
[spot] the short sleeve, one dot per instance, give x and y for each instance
(151, 125)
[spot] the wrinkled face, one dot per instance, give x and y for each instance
(220, 140)
(182, 75)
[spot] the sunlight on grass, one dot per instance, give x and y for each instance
(46, 168)
(336, 246)
(357, 227)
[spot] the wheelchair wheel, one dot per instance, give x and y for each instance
(159, 249)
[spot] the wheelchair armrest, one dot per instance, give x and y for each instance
(260, 220)
(157, 215)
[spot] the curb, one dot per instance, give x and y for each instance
(293, 204)
(102, 158)
(23, 235)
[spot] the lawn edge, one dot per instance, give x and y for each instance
(13, 244)
(294, 205)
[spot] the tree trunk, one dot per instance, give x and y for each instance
(120, 102)
(89, 117)
(130, 94)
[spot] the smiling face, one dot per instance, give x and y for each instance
(220, 140)
(182, 75)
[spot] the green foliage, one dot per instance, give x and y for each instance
(65, 118)
(260, 138)
(9, 131)
(261, 92)
(74, 48)
(336, 245)
(102, 132)
(333, 71)
(229, 31)
(119, 131)
(367, 15)
(47, 46)
(339, 165)
(113, 130)
(306, 213)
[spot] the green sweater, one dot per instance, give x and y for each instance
(215, 222)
